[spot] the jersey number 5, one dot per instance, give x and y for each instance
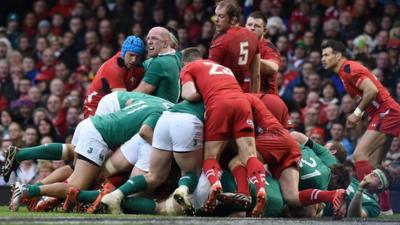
(244, 53)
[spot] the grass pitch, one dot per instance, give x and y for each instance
(26, 217)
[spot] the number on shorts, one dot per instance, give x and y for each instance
(244, 53)
(217, 69)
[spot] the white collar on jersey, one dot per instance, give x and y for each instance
(168, 53)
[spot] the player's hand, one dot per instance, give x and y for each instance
(352, 120)
(365, 182)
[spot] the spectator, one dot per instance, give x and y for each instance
(47, 129)
(53, 105)
(6, 120)
(31, 136)
(296, 119)
(57, 25)
(317, 134)
(41, 9)
(332, 115)
(394, 151)
(29, 27)
(29, 70)
(26, 172)
(45, 167)
(34, 94)
(15, 134)
(328, 93)
(338, 135)
(347, 106)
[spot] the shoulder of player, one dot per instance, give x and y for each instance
(218, 39)
(265, 43)
(352, 67)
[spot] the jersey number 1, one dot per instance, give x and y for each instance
(244, 53)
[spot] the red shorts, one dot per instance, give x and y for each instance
(386, 121)
(90, 105)
(279, 151)
(227, 117)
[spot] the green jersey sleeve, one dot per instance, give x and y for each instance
(153, 74)
(326, 157)
(152, 119)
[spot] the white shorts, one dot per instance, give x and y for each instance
(178, 132)
(200, 194)
(89, 143)
(137, 151)
(108, 104)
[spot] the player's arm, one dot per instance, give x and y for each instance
(255, 74)
(146, 132)
(190, 93)
(369, 93)
(355, 207)
(145, 87)
(268, 67)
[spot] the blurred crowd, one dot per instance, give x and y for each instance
(50, 53)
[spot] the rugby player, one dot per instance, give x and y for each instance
(235, 47)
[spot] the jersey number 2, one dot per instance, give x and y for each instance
(244, 53)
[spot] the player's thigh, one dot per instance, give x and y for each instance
(58, 175)
(247, 148)
(376, 157)
(368, 143)
(108, 104)
(85, 173)
(119, 162)
(189, 161)
(213, 149)
(160, 165)
(289, 182)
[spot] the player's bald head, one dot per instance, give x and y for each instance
(160, 31)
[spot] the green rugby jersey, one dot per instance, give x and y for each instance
(196, 109)
(313, 172)
(163, 72)
(370, 202)
(116, 128)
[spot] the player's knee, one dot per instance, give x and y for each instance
(155, 179)
(359, 154)
(292, 200)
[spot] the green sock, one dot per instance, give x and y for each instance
(51, 151)
(133, 185)
(33, 190)
(190, 180)
(39, 183)
(138, 205)
(87, 196)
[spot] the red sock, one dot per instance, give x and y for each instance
(240, 175)
(313, 196)
(256, 172)
(362, 168)
(384, 201)
(212, 170)
(118, 179)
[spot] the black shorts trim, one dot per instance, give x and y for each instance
(81, 157)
